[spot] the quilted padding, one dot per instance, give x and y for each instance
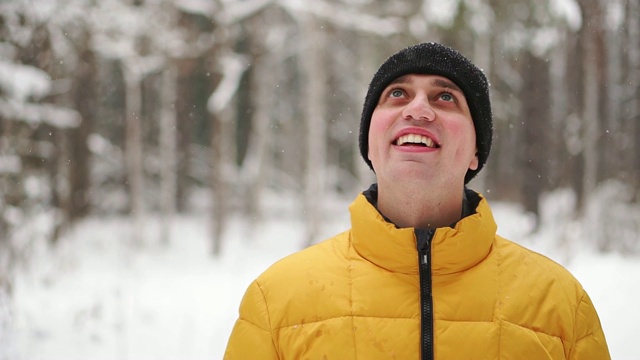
(356, 296)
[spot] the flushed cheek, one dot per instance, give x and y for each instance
(466, 142)
(380, 124)
(381, 120)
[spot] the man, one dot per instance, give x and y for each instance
(421, 274)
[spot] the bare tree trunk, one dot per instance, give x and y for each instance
(535, 115)
(60, 185)
(252, 172)
(595, 67)
(612, 137)
(85, 100)
(590, 135)
(574, 123)
(632, 97)
(168, 140)
(221, 141)
(590, 115)
(315, 75)
(133, 151)
(7, 187)
(220, 211)
(558, 110)
(186, 73)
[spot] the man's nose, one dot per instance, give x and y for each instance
(419, 109)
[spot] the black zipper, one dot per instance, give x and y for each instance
(423, 238)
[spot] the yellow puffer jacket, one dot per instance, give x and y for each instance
(357, 296)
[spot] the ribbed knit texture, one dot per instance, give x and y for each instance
(435, 59)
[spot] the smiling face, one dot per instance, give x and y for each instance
(422, 131)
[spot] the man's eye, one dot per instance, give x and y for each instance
(447, 97)
(396, 93)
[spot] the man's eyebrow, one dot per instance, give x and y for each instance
(446, 84)
(401, 80)
(439, 82)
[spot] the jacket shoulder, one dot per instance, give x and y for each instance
(303, 262)
(297, 288)
(537, 293)
(536, 269)
(543, 296)
(538, 266)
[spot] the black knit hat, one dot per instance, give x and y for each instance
(435, 59)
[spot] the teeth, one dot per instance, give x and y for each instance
(415, 139)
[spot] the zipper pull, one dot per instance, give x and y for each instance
(423, 238)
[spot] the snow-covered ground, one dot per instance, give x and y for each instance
(97, 297)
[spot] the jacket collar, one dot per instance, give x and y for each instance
(453, 249)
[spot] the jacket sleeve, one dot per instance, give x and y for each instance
(251, 336)
(589, 340)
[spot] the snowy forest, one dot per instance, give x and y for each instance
(149, 109)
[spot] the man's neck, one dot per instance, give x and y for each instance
(420, 209)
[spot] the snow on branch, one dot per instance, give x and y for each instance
(138, 67)
(345, 18)
(230, 12)
(237, 11)
(10, 164)
(232, 68)
(569, 10)
(201, 7)
(22, 81)
(56, 116)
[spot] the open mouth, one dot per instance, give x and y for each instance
(416, 140)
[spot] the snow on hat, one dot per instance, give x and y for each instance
(435, 59)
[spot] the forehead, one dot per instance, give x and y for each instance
(433, 80)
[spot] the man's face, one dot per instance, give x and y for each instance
(422, 130)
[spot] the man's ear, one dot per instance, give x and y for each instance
(474, 162)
